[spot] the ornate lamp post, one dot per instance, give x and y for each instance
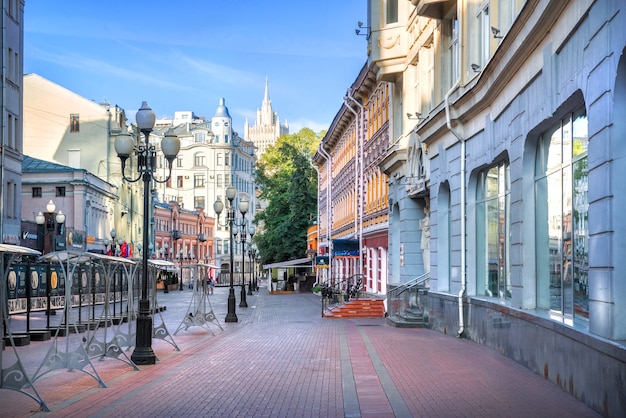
(243, 303)
(146, 164)
(251, 231)
(53, 222)
(252, 255)
(218, 206)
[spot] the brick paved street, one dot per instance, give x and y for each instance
(283, 360)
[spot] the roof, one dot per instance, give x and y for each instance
(222, 110)
(300, 262)
(35, 165)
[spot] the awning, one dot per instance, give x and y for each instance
(300, 262)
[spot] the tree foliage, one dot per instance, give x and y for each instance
(288, 183)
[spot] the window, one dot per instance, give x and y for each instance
(199, 202)
(36, 191)
(485, 33)
(12, 123)
(198, 180)
(198, 160)
(219, 180)
(179, 181)
(391, 12)
(219, 159)
(562, 204)
(226, 159)
(492, 208)
(444, 231)
(200, 137)
(74, 122)
(226, 138)
(60, 191)
(453, 47)
(179, 161)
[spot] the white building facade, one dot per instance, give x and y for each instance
(212, 157)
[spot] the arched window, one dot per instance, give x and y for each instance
(493, 226)
(562, 232)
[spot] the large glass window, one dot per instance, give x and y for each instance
(493, 232)
(562, 232)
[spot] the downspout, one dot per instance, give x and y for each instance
(359, 175)
(329, 226)
(463, 214)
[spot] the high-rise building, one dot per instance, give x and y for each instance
(267, 127)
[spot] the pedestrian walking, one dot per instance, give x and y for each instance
(211, 286)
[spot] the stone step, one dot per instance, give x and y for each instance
(361, 308)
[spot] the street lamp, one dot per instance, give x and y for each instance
(243, 303)
(146, 164)
(218, 206)
(53, 226)
(251, 231)
(252, 257)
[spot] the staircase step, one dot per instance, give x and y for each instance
(358, 308)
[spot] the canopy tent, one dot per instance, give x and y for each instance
(297, 263)
(287, 272)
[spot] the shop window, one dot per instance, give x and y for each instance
(493, 244)
(562, 232)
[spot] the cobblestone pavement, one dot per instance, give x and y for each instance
(281, 359)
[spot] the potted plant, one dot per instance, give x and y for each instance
(274, 283)
(317, 290)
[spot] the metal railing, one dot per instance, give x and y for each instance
(409, 298)
(340, 291)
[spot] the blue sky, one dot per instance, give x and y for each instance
(186, 54)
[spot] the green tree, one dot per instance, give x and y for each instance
(288, 183)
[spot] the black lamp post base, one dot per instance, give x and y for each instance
(250, 288)
(243, 303)
(143, 354)
(231, 316)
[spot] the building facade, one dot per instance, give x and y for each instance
(85, 199)
(503, 171)
(212, 157)
(182, 236)
(12, 36)
(353, 209)
(65, 128)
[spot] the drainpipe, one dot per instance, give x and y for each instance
(463, 214)
(358, 223)
(329, 161)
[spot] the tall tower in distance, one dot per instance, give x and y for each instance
(267, 128)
